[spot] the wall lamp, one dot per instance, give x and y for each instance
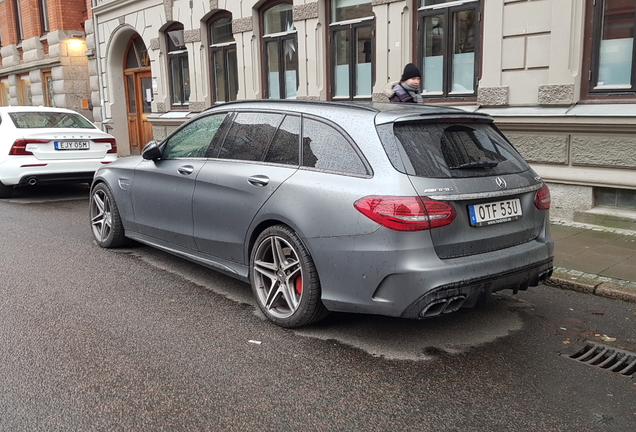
(76, 40)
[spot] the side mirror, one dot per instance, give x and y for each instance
(151, 151)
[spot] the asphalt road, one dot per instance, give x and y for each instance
(137, 340)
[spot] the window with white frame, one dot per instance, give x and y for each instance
(280, 51)
(178, 67)
(224, 68)
(448, 47)
(352, 27)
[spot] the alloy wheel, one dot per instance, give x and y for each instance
(101, 215)
(278, 275)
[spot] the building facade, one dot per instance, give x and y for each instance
(558, 76)
(43, 54)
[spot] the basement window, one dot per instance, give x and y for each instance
(617, 198)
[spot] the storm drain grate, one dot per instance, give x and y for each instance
(604, 357)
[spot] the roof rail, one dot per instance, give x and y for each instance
(294, 101)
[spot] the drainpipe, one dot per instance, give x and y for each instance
(98, 56)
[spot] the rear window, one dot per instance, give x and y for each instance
(456, 150)
(40, 120)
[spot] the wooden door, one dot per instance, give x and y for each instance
(139, 98)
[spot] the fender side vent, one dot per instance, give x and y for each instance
(603, 356)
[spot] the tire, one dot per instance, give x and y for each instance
(105, 220)
(284, 279)
(5, 191)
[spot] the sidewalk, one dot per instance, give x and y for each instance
(595, 260)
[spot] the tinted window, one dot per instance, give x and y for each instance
(27, 120)
(284, 147)
(326, 148)
(250, 136)
(193, 140)
(445, 150)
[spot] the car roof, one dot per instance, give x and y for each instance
(14, 108)
(382, 112)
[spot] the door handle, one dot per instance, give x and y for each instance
(185, 170)
(258, 180)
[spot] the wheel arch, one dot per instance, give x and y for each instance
(262, 225)
(256, 231)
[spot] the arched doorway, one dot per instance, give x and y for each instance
(139, 94)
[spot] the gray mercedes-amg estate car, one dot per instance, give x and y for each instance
(394, 209)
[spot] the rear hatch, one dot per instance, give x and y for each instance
(60, 136)
(470, 164)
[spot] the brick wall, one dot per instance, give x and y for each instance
(67, 14)
(62, 14)
(7, 23)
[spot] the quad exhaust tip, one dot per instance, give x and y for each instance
(443, 306)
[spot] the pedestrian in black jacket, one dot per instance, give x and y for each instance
(408, 88)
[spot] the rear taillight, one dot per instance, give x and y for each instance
(19, 146)
(406, 213)
(542, 198)
(112, 141)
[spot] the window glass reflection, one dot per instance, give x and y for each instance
(344, 10)
(132, 99)
(463, 51)
(341, 73)
(278, 19)
(193, 140)
(617, 41)
(325, 148)
(221, 31)
(363, 61)
(284, 147)
(291, 67)
(434, 42)
(273, 79)
(249, 136)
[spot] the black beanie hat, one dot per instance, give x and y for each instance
(410, 71)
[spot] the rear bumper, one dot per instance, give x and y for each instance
(25, 170)
(77, 177)
(400, 275)
(450, 298)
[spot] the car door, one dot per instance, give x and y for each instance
(260, 152)
(162, 189)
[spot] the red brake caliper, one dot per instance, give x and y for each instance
(299, 285)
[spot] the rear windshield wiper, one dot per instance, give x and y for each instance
(479, 164)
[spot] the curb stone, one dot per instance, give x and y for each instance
(593, 284)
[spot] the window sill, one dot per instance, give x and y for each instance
(171, 115)
(619, 178)
(616, 99)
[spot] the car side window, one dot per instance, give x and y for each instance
(249, 136)
(193, 140)
(326, 148)
(284, 149)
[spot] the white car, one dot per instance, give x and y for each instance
(40, 145)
